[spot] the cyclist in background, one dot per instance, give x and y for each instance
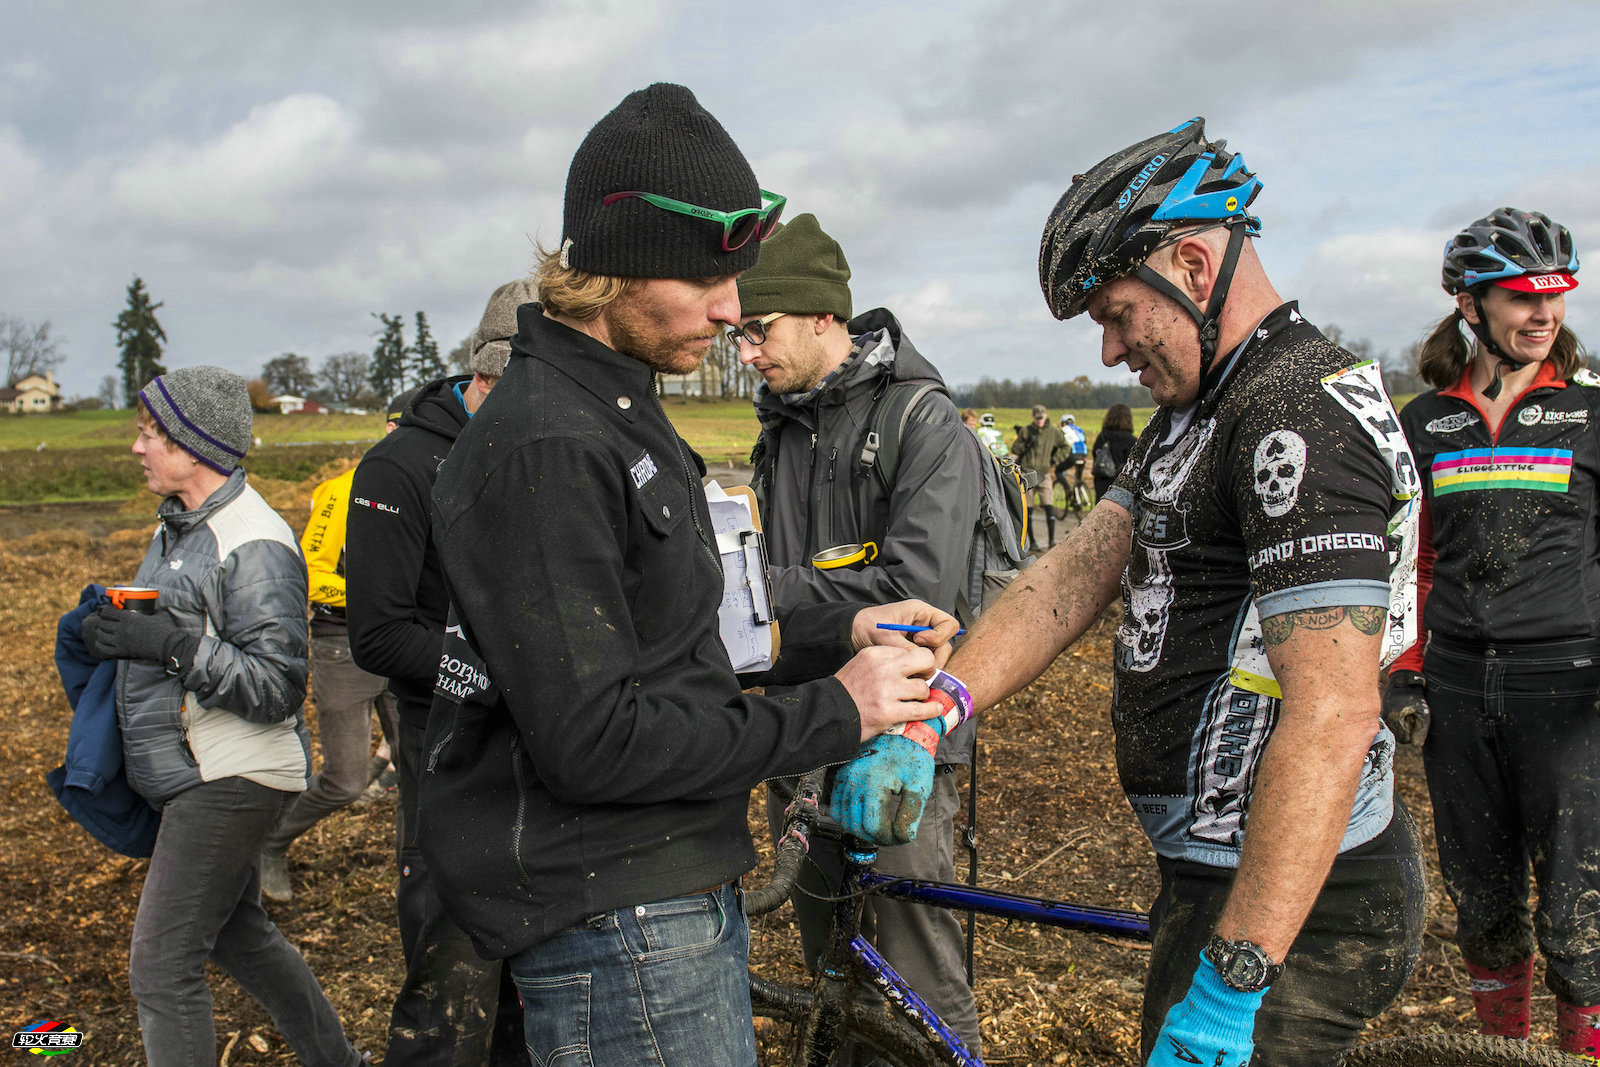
(1073, 463)
(991, 436)
(1509, 565)
(1248, 534)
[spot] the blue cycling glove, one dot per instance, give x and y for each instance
(879, 795)
(1214, 1025)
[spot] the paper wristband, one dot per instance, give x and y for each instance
(947, 691)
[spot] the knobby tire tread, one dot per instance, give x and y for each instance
(893, 1038)
(1455, 1050)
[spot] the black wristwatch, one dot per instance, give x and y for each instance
(1242, 965)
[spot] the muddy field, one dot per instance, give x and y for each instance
(1051, 823)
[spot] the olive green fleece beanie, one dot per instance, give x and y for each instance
(801, 271)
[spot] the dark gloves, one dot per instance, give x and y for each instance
(118, 633)
(1405, 707)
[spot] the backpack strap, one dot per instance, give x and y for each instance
(886, 425)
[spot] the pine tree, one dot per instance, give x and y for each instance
(426, 366)
(387, 372)
(140, 337)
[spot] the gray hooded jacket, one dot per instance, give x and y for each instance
(230, 570)
(814, 495)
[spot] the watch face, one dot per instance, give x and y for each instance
(1245, 971)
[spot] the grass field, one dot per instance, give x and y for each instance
(86, 452)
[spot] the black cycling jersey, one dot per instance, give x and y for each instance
(1515, 508)
(1273, 494)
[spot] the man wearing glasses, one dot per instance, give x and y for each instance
(824, 374)
(590, 752)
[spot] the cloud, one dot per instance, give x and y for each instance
(240, 182)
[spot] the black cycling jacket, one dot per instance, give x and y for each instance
(1508, 549)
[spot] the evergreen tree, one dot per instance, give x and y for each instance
(139, 336)
(387, 371)
(426, 366)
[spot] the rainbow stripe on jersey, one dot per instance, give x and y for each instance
(1545, 469)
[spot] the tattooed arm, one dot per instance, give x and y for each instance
(1325, 660)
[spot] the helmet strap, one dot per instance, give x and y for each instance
(1503, 362)
(1209, 320)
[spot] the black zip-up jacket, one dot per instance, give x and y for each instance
(394, 594)
(610, 762)
(1509, 547)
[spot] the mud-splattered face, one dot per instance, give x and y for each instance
(1151, 334)
(1524, 325)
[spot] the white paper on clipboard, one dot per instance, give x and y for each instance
(746, 618)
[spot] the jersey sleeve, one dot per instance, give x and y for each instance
(1314, 492)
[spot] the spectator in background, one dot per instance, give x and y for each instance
(453, 1007)
(1039, 446)
(1111, 447)
(345, 695)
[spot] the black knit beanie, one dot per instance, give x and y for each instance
(802, 271)
(658, 140)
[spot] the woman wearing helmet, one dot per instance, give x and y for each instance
(1509, 580)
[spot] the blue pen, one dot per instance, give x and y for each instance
(903, 628)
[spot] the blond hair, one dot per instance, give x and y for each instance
(577, 294)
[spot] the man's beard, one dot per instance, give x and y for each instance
(634, 334)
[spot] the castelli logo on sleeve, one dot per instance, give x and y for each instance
(1140, 180)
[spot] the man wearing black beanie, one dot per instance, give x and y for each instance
(591, 754)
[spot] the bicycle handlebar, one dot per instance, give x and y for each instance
(799, 819)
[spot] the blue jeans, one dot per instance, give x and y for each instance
(657, 985)
(202, 899)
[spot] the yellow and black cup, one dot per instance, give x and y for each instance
(140, 598)
(845, 557)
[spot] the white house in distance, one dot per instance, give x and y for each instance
(35, 394)
(298, 405)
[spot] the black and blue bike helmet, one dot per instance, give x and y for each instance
(1108, 222)
(1521, 250)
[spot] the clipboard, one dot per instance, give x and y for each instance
(747, 618)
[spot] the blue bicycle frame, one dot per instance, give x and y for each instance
(848, 945)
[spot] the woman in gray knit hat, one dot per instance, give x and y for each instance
(209, 689)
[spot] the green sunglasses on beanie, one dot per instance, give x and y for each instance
(659, 140)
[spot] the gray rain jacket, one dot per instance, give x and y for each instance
(814, 495)
(230, 570)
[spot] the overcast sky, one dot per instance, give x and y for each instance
(277, 172)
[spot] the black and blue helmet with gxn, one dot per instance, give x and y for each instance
(1109, 221)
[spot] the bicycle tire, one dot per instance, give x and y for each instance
(1454, 1050)
(891, 1038)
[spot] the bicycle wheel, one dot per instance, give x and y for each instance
(893, 1039)
(1454, 1050)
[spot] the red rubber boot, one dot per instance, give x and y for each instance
(1503, 997)
(1580, 1030)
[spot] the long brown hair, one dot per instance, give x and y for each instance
(1118, 417)
(1444, 355)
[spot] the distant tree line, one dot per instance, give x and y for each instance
(1080, 392)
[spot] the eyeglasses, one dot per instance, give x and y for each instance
(737, 226)
(754, 331)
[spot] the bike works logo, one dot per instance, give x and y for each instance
(46, 1038)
